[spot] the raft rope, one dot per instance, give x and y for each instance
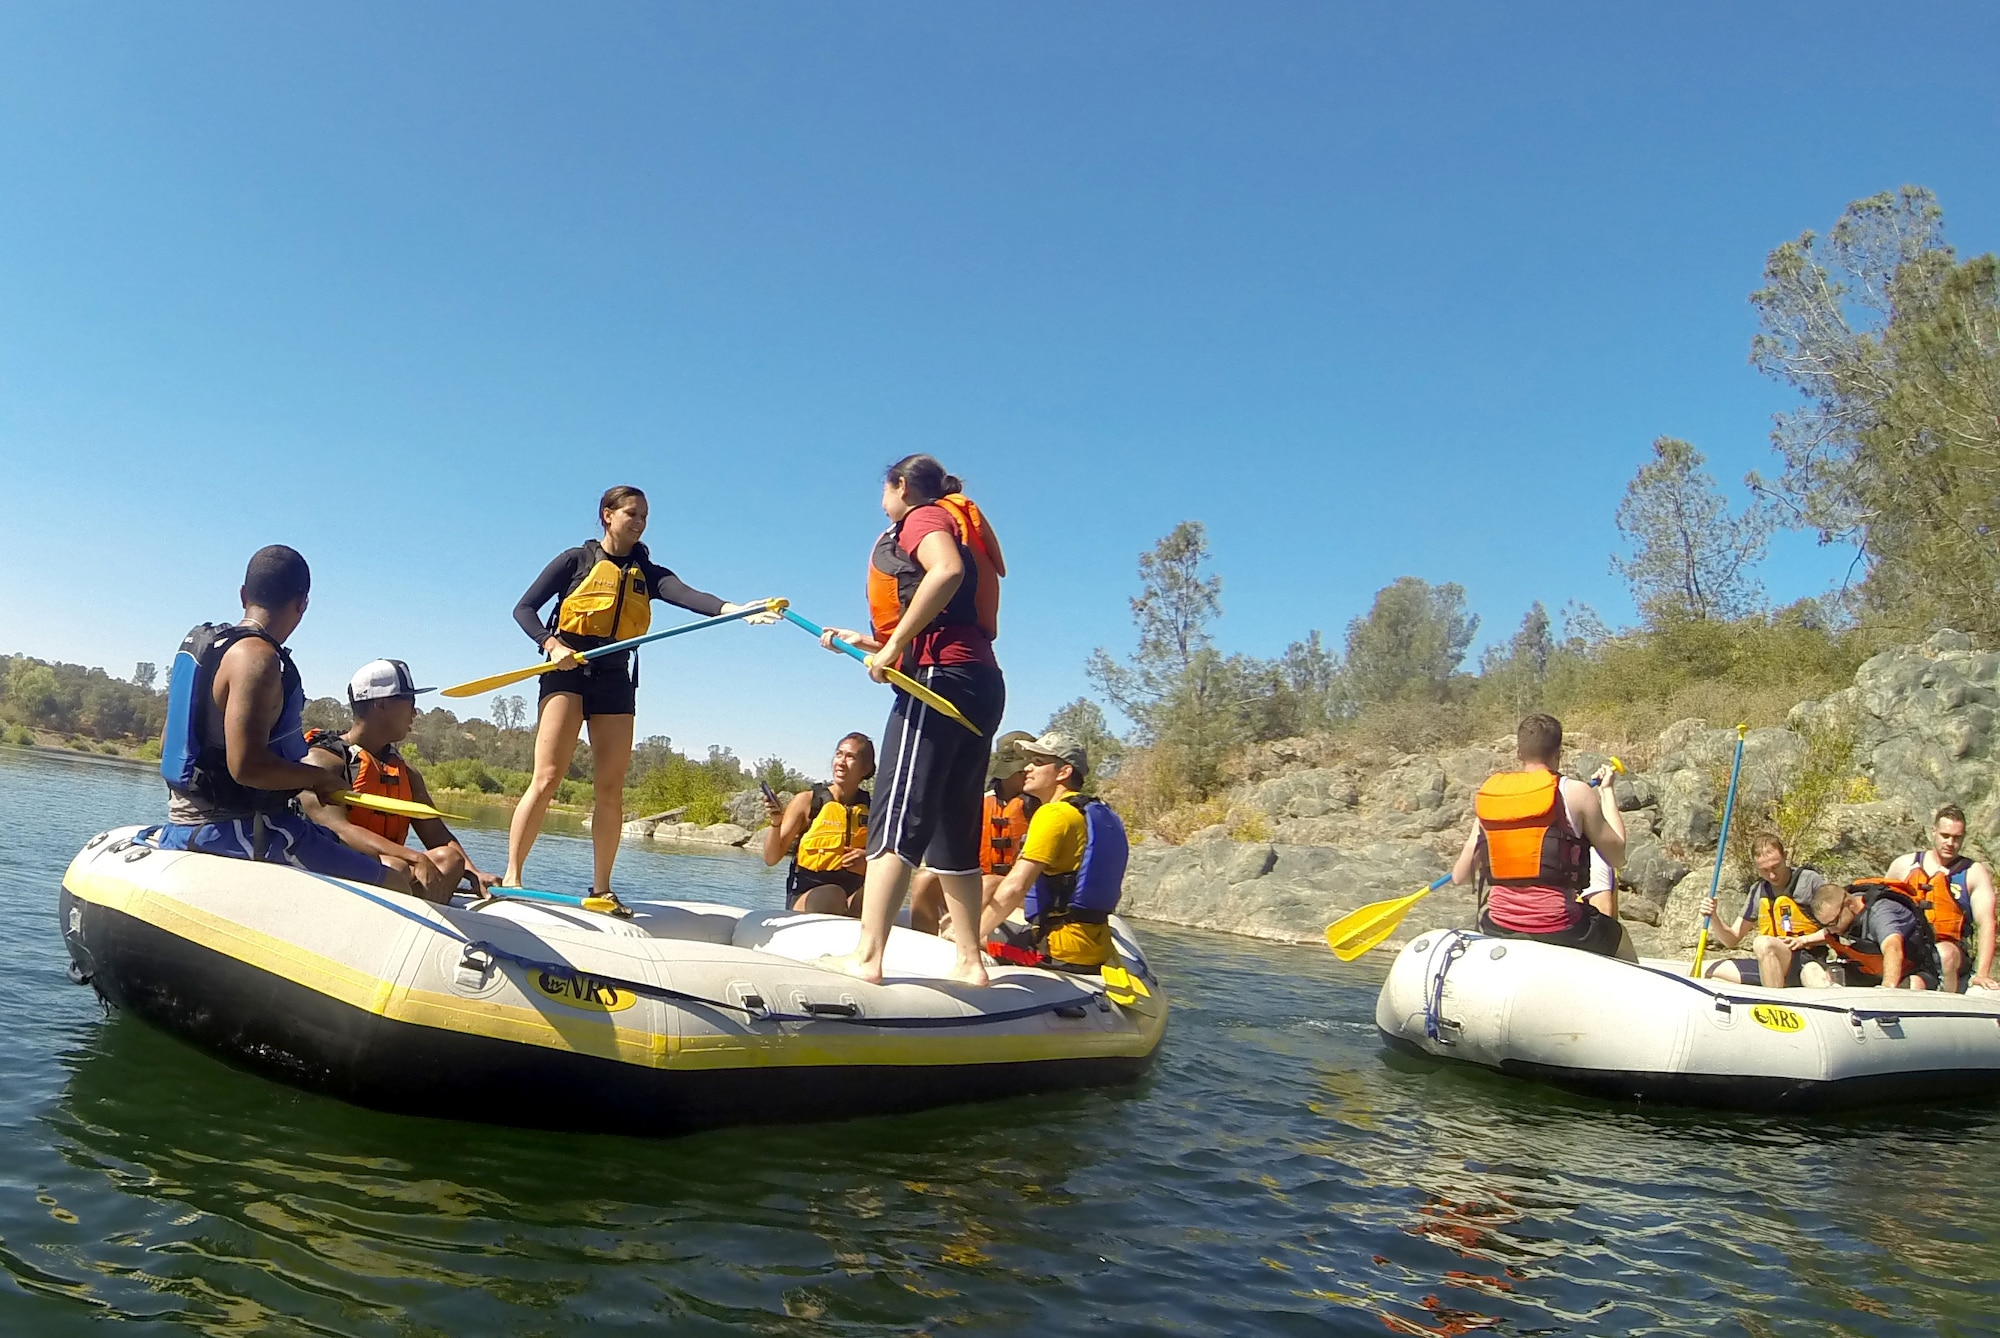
(752, 1007)
(1451, 943)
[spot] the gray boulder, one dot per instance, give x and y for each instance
(1650, 869)
(1687, 810)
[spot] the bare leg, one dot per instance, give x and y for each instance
(1774, 961)
(1727, 970)
(555, 745)
(611, 758)
(962, 895)
(1952, 957)
(926, 901)
(826, 899)
(882, 890)
(450, 864)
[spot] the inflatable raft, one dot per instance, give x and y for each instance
(683, 1016)
(1649, 1033)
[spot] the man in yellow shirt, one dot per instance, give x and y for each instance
(1071, 870)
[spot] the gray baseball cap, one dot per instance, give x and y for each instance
(1060, 746)
(379, 680)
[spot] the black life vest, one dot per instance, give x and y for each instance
(1919, 946)
(196, 768)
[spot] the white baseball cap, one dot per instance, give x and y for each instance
(379, 680)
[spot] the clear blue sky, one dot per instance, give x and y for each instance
(1369, 292)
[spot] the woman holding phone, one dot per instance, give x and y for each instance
(603, 589)
(929, 795)
(825, 830)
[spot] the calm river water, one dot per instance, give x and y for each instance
(1275, 1174)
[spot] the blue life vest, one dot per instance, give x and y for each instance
(199, 771)
(1089, 895)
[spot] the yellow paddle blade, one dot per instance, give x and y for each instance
(926, 696)
(402, 808)
(606, 906)
(508, 679)
(1359, 930)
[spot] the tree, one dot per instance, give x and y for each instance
(517, 713)
(1175, 604)
(1411, 641)
(1691, 560)
(1895, 347)
(144, 675)
(1083, 720)
(1519, 670)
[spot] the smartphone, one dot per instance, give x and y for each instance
(770, 795)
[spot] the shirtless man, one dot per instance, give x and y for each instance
(1959, 890)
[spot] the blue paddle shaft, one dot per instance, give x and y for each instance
(818, 631)
(1438, 884)
(530, 894)
(1722, 842)
(630, 642)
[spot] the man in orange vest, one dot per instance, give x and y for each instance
(383, 697)
(1956, 893)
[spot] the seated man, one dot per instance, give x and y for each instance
(1790, 946)
(1071, 872)
(234, 748)
(1004, 824)
(825, 831)
(384, 701)
(1955, 893)
(1532, 842)
(1879, 933)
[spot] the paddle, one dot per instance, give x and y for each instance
(1721, 849)
(896, 676)
(1359, 930)
(605, 905)
(382, 803)
(512, 676)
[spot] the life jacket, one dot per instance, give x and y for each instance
(1089, 895)
(1005, 827)
(197, 768)
(893, 578)
(612, 598)
(1530, 841)
(835, 829)
(1780, 913)
(388, 776)
(1946, 900)
(1866, 954)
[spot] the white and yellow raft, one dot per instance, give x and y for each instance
(1648, 1032)
(683, 1016)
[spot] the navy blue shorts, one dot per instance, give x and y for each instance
(930, 795)
(289, 838)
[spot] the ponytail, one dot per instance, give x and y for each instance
(924, 477)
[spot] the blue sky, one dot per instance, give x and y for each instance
(1369, 292)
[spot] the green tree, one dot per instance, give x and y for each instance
(1083, 720)
(1411, 641)
(1691, 561)
(144, 674)
(1894, 346)
(1176, 602)
(34, 697)
(1519, 670)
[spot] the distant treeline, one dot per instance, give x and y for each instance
(85, 706)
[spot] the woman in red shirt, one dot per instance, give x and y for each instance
(931, 783)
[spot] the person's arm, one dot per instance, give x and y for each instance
(1009, 896)
(251, 680)
(435, 835)
(1597, 812)
(1899, 868)
(787, 826)
(672, 589)
(1979, 883)
(944, 569)
(1727, 936)
(334, 818)
(1464, 866)
(555, 578)
(1892, 961)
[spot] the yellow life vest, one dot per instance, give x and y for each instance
(835, 829)
(610, 601)
(1775, 908)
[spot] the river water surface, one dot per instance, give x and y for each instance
(1275, 1174)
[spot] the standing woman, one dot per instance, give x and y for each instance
(604, 587)
(933, 770)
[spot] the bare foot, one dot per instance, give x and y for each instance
(969, 973)
(852, 965)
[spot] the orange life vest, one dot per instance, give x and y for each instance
(388, 776)
(1866, 954)
(1946, 901)
(976, 536)
(1529, 839)
(1006, 826)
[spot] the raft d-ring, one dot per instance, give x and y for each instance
(137, 852)
(1499, 951)
(474, 965)
(96, 841)
(1420, 945)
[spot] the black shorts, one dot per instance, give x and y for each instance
(605, 685)
(930, 795)
(1596, 932)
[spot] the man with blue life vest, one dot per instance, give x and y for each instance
(1956, 896)
(1789, 944)
(383, 697)
(1070, 873)
(233, 751)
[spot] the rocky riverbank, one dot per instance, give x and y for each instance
(1915, 730)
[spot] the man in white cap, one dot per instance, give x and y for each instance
(383, 697)
(1071, 869)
